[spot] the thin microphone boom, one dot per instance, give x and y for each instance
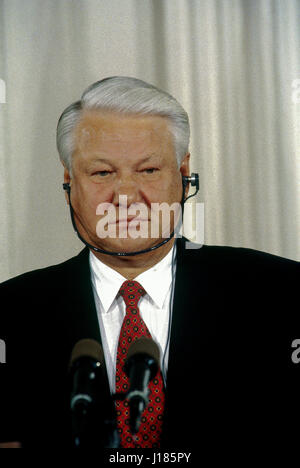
(193, 179)
(97, 249)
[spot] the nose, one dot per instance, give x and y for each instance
(126, 188)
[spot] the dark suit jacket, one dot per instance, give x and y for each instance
(230, 382)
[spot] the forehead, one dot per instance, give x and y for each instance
(107, 131)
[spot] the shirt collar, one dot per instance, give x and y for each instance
(107, 281)
(156, 281)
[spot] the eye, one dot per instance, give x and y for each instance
(150, 170)
(102, 173)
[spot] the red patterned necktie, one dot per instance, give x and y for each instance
(134, 327)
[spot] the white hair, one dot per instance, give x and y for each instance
(124, 95)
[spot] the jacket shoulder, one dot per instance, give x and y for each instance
(240, 264)
(34, 278)
(235, 255)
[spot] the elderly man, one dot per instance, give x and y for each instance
(222, 317)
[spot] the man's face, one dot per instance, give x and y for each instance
(126, 155)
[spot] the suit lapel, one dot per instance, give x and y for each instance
(82, 317)
(192, 341)
(193, 307)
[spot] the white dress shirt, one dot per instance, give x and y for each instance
(154, 307)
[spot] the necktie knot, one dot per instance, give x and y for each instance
(131, 291)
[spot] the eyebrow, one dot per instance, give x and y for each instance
(107, 161)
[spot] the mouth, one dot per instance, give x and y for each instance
(128, 220)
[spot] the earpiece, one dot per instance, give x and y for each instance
(193, 179)
(66, 186)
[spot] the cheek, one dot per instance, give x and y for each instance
(166, 190)
(176, 188)
(171, 189)
(87, 198)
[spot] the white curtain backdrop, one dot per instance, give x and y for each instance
(233, 64)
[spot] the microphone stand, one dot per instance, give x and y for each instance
(88, 430)
(136, 410)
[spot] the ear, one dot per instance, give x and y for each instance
(68, 180)
(185, 170)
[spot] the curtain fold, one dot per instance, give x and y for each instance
(231, 63)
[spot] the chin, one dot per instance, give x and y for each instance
(127, 245)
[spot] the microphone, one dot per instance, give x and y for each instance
(86, 359)
(92, 418)
(141, 366)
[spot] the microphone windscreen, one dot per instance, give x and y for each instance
(144, 346)
(87, 348)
